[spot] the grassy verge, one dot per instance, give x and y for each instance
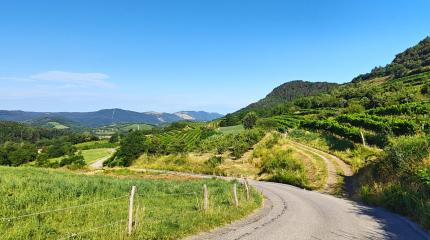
(232, 129)
(165, 208)
(92, 155)
(208, 163)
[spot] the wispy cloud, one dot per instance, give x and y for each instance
(67, 79)
(73, 78)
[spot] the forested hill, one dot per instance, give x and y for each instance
(292, 90)
(405, 79)
(284, 93)
(412, 61)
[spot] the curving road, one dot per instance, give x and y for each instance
(293, 213)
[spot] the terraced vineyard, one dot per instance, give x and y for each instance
(413, 80)
(187, 137)
(285, 122)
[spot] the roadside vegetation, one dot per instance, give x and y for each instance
(165, 208)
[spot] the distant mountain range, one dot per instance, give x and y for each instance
(106, 117)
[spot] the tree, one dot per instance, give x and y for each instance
(425, 89)
(354, 107)
(131, 148)
(114, 138)
(249, 120)
(15, 154)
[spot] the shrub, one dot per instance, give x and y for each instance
(131, 148)
(214, 161)
(268, 124)
(73, 161)
(406, 153)
(249, 120)
(425, 89)
(282, 167)
(16, 154)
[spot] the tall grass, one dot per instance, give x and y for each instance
(165, 209)
(399, 181)
(280, 166)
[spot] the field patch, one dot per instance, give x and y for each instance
(52, 204)
(232, 129)
(92, 155)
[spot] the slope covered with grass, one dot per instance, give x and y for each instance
(165, 208)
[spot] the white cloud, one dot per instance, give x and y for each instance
(75, 79)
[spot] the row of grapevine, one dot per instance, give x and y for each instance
(347, 132)
(402, 109)
(286, 121)
(415, 79)
(379, 124)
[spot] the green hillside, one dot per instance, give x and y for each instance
(410, 62)
(49, 204)
(275, 101)
(56, 122)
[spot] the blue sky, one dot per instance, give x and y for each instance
(212, 55)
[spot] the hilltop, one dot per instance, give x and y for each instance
(404, 80)
(412, 61)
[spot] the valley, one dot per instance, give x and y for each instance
(326, 157)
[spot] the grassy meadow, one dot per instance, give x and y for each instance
(95, 144)
(166, 207)
(92, 155)
(232, 129)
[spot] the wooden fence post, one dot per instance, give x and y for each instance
(130, 210)
(236, 201)
(247, 189)
(206, 197)
(362, 138)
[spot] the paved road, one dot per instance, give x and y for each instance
(294, 213)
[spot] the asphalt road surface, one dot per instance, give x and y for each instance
(294, 213)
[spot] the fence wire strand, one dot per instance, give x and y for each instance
(61, 209)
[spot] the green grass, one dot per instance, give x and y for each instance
(232, 129)
(57, 125)
(95, 145)
(164, 212)
(92, 155)
(122, 128)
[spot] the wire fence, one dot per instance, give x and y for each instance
(63, 209)
(131, 212)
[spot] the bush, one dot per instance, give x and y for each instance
(425, 89)
(406, 153)
(282, 167)
(214, 161)
(16, 154)
(73, 161)
(132, 147)
(268, 124)
(249, 120)
(59, 148)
